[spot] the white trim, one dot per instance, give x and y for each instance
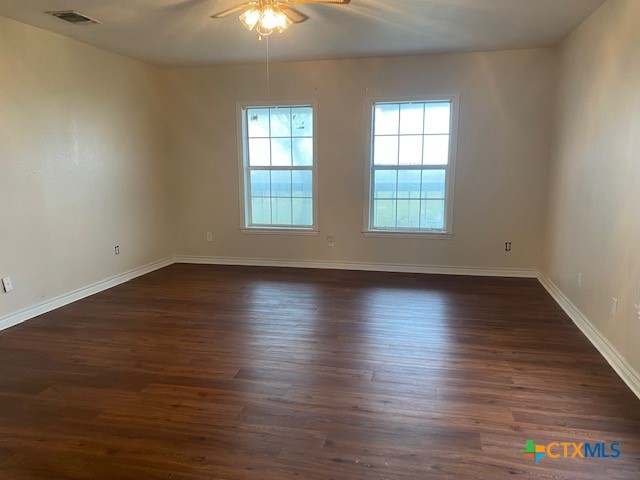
(608, 351)
(375, 267)
(408, 234)
(279, 231)
(57, 302)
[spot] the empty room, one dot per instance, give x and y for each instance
(320, 239)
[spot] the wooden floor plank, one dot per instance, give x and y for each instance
(211, 372)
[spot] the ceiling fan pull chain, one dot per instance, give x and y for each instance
(268, 76)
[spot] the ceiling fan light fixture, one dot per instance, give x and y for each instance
(283, 22)
(266, 19)
(263, 31)
(250, 18)
(268, 16)
(269, 19)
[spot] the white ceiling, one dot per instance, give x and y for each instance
(180, 32)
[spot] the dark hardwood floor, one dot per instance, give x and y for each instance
(203, 372)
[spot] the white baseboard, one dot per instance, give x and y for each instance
(49, 305)
(375, 267)
(611, 355)
(67, 298)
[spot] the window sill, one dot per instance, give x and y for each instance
(408, 234)
(280, 231)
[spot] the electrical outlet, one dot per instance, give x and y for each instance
(117, 249)
(614, 307)
(579, 280)
(638, 310)
(507, 246)
(209, 237)
(331, 240)
(7, 284)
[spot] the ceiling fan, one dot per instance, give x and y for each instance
(268, 16)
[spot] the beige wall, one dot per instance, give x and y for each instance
(506, 103)
(594, 199)
(81, 165)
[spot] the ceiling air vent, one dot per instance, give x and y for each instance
(73, 17)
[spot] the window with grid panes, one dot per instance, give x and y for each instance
(411, 145)
(279, 167)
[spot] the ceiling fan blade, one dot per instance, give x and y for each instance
(231, 10)
(336, 2)
(292, 14)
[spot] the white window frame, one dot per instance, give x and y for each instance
(244, 168)
(447, 233)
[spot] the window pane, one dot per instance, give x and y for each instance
(411, 150)
(408, 185)
(385, 183)
(302, 183)
(260, 211)
(433, 183)
(384, 213)
(280, 122)
(408, 214)
(303, 212)
(279, 139)
(436, 149)
(302, 122)
(281, 183)
(432, 214)
(260, 183)
(437, 117)
(385, 151)
(302, 152)
(258, 122)
(259, 152)
(411, 118)
(386, 119)
(281, 152)
(281, 211)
